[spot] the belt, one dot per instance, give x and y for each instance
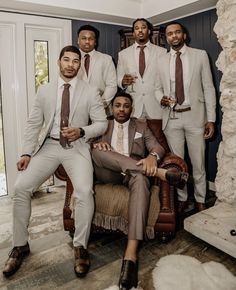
(56, 139)
(182, 110)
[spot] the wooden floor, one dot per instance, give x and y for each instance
(50, 264)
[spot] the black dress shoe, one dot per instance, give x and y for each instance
(82, 262)
(128, 275)
(178, 178)
(15, 260)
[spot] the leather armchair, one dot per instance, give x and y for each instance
(165, 224)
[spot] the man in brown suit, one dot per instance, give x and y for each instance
(120, 158)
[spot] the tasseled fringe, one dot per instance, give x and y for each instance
(114, 223)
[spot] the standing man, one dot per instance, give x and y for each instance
(137, 71)
(63, 109)
(185, 78)
(121, 151)
(97, 68)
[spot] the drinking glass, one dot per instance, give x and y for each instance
(65, 123)
(172, 104)
(134, 76)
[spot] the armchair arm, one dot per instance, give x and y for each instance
(166, 222)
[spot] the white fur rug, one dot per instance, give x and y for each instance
(179, 272)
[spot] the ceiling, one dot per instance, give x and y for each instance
(110, 11)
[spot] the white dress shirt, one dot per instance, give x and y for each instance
(55, 131)
(185, 63)
(126, 136)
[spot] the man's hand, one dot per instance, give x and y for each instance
(209, 130)
(71, 133)
(102, 146)
(165, 101)
(149, 165)
(128, 80)
(23, 163)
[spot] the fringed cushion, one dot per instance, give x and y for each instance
(111, 212)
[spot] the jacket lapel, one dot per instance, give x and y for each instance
(78, 92)
(131, 133)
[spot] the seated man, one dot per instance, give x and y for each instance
(119, 158)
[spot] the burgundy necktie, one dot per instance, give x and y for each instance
(141, 60)
(179, 84)
(65, 111)
(86, 63)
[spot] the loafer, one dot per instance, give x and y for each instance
(16, 256)
(200, 206)
(128, 275)
(82, 262)
(177, 178)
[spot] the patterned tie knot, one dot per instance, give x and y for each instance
(178, 53)
(120, 126)
(66, 86)
(142, 47)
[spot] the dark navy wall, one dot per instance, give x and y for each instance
(200, 27)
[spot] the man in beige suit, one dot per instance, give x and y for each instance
(120, 158)
(193, 116)
(97, 68)
(138, 74)
(41, 157)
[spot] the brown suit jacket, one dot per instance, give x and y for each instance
(141, 139)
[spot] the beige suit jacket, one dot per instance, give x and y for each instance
(201, 88)
(86, 104)
(140, 139)
(144, 87)
(102, 75)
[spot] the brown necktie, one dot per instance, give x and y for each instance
(65, 111)
(86, 63)
(141, 60)
(179, 84)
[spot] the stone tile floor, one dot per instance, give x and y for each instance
(50, 264)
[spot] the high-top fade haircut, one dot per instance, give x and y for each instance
(89, 28)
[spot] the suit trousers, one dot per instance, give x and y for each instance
(109, 167)
(177, 132)
(41, 166)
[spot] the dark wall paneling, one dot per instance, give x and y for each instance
(200, 27)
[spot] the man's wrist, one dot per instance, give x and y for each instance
(82, 132)
(26, 155)
(158, 159)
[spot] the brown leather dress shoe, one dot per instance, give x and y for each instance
(82, 262)
(15, 259)
(178, 179)
(128, 275)
(200, 206)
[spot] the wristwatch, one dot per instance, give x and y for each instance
(82, 132)
(156, 155)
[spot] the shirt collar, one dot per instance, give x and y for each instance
(91, 53)
(126, 124)
(136, 45)
(182, 50)
(72, 82)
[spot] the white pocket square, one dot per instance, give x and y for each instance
(137, 135)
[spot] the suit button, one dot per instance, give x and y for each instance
(143, 94)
